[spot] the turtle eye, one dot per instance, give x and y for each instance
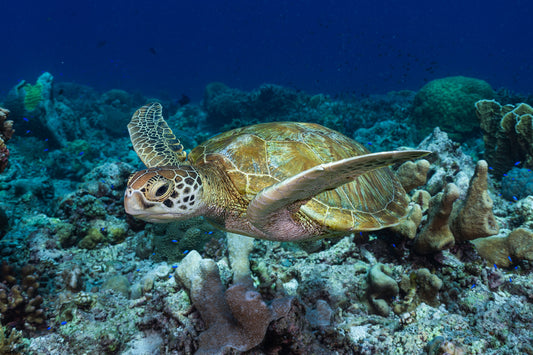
(159, 190)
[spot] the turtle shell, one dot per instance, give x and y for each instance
(255, 157)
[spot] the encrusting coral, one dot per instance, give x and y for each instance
(473, 217)
(6, 132)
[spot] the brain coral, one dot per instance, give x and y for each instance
(449, 104)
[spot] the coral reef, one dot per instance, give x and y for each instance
(386, 134)
(172, 241)
(450, 102)
(116, 109)
(109, 283)
(449, 163)
(90, 215)
(224, 105)
(371, 120)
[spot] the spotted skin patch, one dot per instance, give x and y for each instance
(168, 188)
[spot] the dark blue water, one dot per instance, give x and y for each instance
(317, 46)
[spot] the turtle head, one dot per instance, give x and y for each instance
(164, 194)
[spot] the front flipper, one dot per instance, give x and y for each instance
(271, 209)
(152, 139)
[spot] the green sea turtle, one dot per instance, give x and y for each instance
(284, 181)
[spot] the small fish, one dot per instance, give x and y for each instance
(152, 50)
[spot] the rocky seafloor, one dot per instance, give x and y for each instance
(79, 276)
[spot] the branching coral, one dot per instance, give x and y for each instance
(6, 132)
(12, 342)
(448, 221)
(408, 226)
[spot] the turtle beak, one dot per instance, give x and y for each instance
(134, 203)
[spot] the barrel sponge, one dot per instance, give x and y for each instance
(449, 104)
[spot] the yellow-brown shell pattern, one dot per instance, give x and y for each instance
(258, 156)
